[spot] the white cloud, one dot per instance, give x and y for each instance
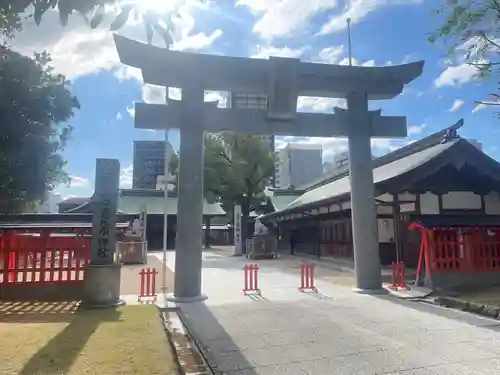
(316, 104)
(457, 104)
(221, 97)
(281, 18)
(456, 75)
(257, 5)
(357, 10)
(119, 116)
(416, 129)
(126, 177)
(264, 52)
(131, 111)
(78, 182)
(183, 26)
(77, 50)
(331, 55)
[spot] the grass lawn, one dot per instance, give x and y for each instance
(56, 339)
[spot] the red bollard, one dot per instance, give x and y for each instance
(251, 278)
(402, 283)
(147, 284)
(307, 277)
(398, 276)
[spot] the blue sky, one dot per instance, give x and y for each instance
(384, 32)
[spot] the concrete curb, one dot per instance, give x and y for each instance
(475, 308)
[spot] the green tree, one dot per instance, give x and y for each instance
(471, 30)
(94, 11)
(34, 104)
(237, 168)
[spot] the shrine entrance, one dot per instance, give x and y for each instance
(283, 80)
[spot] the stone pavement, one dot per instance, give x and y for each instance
(334, 332)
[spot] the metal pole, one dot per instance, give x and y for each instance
(165, 214)
(349, 40)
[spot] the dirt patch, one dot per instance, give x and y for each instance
(54, 338)
(130, 279)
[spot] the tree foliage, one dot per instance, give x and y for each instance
(471, 29)
(34, 102)
(237, 168)
(94, 11)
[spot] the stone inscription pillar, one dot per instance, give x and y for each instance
(104, 207)
(102, 275)
(188, 248)
(364, 214)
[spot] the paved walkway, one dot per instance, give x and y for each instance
(334, 332)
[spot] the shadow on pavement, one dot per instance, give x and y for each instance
(216, 345)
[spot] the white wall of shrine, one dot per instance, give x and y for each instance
(492, 203)
(429, 204)
(385, 230)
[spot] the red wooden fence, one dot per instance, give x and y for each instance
(43, 257)
(458, 249)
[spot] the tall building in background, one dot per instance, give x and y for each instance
(149, 163)
(253, 101)
(298, 164)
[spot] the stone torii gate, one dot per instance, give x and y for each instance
(283, 79)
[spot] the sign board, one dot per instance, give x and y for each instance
(237, 230)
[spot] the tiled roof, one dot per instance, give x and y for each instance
(128, 204)
(382, 173)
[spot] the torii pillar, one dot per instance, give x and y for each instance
(283, 80)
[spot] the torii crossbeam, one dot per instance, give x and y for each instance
(283, 80)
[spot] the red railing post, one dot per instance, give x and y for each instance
(245, 269)
(307, 277)
(398, 276)
(147, 284)
(251, 278)
(12, 265)
(313, 287)
(402, 275)
(255, 277)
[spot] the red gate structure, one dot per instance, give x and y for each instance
(43, 264)
(458, 255)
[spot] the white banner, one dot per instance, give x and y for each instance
(237, 230)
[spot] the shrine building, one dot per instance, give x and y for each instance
(438, 210)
